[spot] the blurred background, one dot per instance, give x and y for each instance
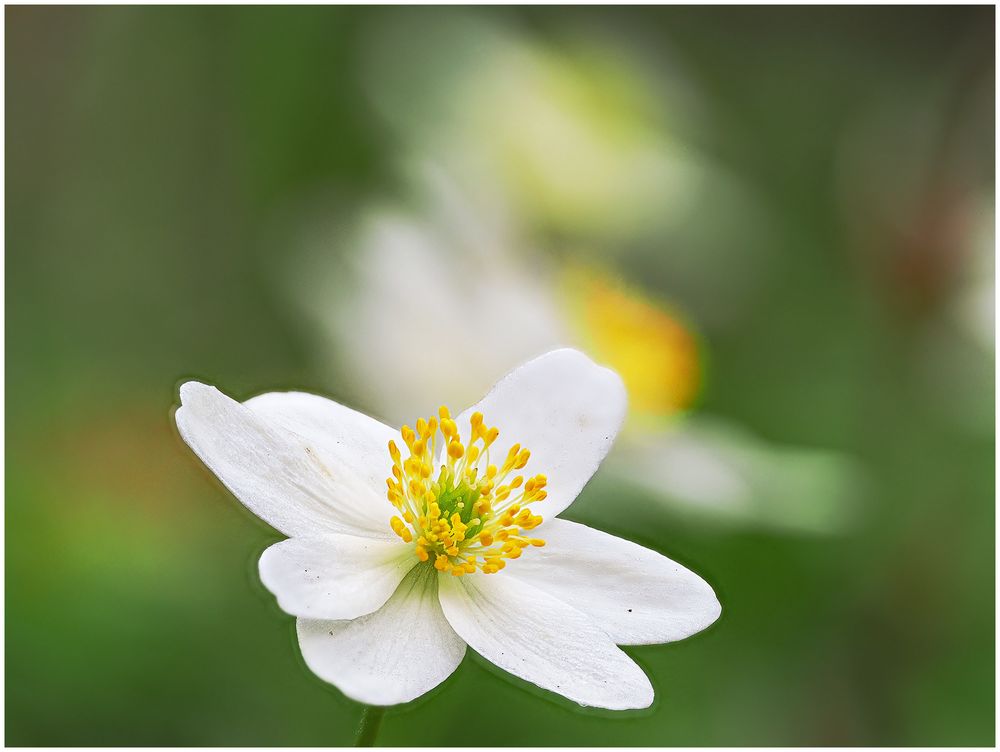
(777, 224)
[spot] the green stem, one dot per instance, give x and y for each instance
(371, 719)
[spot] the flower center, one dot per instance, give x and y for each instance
(466, 515)
(653, 350)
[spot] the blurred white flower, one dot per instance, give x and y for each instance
(590, 136)
(955, 364)
(389, 588)
(451, 279)
(573, 135)
(975, 304)
(919, 203)
(456, 275)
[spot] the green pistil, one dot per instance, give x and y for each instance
(459, 498)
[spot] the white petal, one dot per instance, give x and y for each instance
(295, 486)
(339, 435)
(336, 576)
(636, 595)
(393, 655)
(539, 638)
(566, 410)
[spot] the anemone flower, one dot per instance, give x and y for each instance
(406, 546)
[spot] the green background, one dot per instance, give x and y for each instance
(151, 155)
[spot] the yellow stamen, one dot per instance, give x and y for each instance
(461, 519)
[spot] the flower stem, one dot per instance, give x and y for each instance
(371, 720)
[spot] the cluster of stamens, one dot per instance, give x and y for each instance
(467, 515)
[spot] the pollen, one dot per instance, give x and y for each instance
(463, 510)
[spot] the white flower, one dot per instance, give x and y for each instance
(463, 549)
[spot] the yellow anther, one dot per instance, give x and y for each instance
(400, 529)
(455, 450)
(531, 522)
(444, 412)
